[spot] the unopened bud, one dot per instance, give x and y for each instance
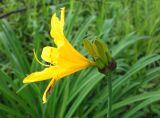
(101, 55)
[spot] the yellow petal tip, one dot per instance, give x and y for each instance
(62, 9)
(44, 99)
(44, 102)
(25, 81)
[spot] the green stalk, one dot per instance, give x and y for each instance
(109, 96)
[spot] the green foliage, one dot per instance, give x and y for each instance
(130, 28)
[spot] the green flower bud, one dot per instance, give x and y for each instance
(101, 50)
(101, 55)
(89, 47)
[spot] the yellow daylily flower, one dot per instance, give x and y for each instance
(64, 59)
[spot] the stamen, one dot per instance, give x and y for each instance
(35, 56)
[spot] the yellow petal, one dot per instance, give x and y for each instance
(70, 56)
(67, 54)
(63, 72)
(60, 73)
(48, 89)
(57, 29)
(47, 73)
(50, 54)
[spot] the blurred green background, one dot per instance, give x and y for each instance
(131, 28)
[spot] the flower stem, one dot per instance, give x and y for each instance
(109, 96)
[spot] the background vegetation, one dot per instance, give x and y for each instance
(129, 27)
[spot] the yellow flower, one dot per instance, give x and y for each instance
(64, 59)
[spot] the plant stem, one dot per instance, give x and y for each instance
(109, 96)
